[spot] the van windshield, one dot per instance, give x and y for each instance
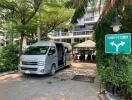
(39, 50)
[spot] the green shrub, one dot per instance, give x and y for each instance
(8, 58)
(122, 75)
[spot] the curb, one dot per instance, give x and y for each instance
(102, 96)
(9, 72)
(112, 97)
(107, 96)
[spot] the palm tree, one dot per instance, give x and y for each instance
(81, 5)
(119, 4)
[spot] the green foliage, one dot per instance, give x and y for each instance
(121, 73)
(8, 58)
(127, 27)
(80, 7)
(127, 19)
(26, 16)
(51, 16)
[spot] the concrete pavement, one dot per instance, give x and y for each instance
(59, 87)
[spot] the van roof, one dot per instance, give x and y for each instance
(51, 43)
(68, 45)
(44, 43)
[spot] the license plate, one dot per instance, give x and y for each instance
(27, 72)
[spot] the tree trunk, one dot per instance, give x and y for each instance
(11, 34)
(24, 45)
(38, 33)
(21, 44)
(11, 39)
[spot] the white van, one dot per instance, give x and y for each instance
(45, 57)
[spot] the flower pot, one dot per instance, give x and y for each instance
(110, 88)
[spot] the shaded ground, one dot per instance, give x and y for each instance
(58, 87)
(88, 70)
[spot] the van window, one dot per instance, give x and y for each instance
(52, 51)
(38, 50)
(67, 50)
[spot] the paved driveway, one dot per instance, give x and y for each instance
(59, 87)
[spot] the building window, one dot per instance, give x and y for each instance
(66, 40)
(56, 33)
(83, 33)
(89, 16)
(89, 27)
(57, 39)
(69, 40)
(65, 30)
(79, 40)
(88, 32)
(64, 33)
(83, 39)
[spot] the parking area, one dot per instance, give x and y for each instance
(62, 86)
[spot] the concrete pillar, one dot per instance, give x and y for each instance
(60, 40)
(72, 40)
(60, 33)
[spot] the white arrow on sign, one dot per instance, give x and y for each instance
(117, 45)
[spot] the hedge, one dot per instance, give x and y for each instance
(8, 58)
(121, 75)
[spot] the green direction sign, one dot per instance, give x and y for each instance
(118, 43)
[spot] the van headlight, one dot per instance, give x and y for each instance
(20, 62)
(41, 63)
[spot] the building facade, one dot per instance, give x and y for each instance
(81, 31)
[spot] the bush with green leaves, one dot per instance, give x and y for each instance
(8, 58)
(121, 73)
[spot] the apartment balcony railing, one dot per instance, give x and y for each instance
(89, 19)
(56, 34)
(83, 33)
(72, 33)
(90, 28)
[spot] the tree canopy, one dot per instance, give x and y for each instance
(25, 15)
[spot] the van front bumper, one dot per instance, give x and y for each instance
(28, 69)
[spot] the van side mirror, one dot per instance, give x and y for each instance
(51, 51)
(66, 50)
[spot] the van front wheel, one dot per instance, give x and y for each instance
(53, 70)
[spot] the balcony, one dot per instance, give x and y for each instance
(89, 19)
(85, 29)
(92, 19)
(83, 33)
(57, 34)
(68, 35)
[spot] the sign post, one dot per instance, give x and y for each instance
(118, 44)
